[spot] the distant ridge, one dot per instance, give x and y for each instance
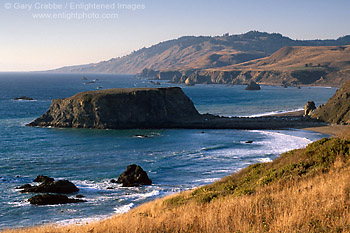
(200, 52)
(301, 57)
(289, 66)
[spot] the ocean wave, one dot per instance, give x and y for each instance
(265, 160)
(274, 112)
(136, 197)
(273, 144)
(214, 147)
(123, 209)
(93, 186)
(81, 221)
(218, 171)
(206, 180)
(18, 203)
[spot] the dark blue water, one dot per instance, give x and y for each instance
(174, 159)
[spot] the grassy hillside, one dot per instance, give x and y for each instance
(301, 58)
(301, 65)
(202, 52)
(305, 190)
(337, 108)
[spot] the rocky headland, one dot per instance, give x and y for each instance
(148, 108)
(337, 109)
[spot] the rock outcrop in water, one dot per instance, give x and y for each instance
(134, 176)
(147, 108)
(50, 199)
(23, 98)
(60, 186)
(253, 86)
(121, 109)
(337, 109)
(42, 179)
(309, 108)
(49, 185)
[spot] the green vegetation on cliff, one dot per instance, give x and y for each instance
(305, 190)
(316, 158)
(337, 109)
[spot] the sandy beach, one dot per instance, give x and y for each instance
(334, 130)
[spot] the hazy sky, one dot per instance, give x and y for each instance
(73, 32)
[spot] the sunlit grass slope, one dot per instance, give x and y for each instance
(304, 190)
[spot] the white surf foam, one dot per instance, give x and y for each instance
(275, 143)
(81, 221)
(139, 196)
(207, 180)
(123, 209)
(265, 160)
(274, 112)
(18, 203)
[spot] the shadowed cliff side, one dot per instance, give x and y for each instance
(147, 108)
(120, 108)
(337, 109)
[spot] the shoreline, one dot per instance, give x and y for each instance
(332, 130)
(93, 219)
(81, 222)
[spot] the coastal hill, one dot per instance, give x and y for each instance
(149, 108)
(301, 57)
(200, 52)
(337, 109)
(300, 65)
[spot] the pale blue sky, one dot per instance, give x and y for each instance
(28, 44)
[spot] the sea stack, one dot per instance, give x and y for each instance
(253, 86)
(309, 108)
(134, 176)
(124, 108)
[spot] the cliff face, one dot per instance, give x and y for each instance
(147, 108)
(337, 109)
(322, 65)
(121, 109)
(274, 77)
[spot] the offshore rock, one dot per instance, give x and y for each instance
(121, 109)
(134, 176)
(42, 179)
(60, 186)
(309, 108)
(23, 98)
(50, 199)
(253, 86)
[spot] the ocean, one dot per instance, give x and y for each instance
(175, 159)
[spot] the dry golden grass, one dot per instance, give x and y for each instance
(295, 58)
(316, 201)
(320, 204)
